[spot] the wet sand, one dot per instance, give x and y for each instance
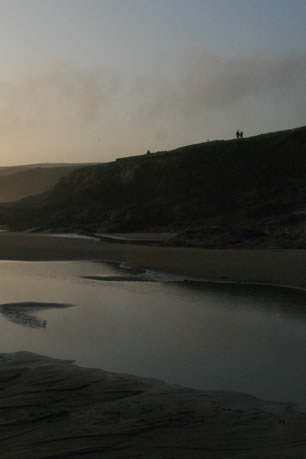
(284, 267)
(24, 313)
(51, 408)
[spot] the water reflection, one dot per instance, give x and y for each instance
(286, 301)
(212, 336)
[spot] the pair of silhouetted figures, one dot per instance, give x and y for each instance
(239, 134)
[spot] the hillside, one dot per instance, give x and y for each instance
(17, 182)
(249, 192)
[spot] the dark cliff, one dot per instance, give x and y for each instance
(247, 192)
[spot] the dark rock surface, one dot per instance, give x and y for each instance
(51, 408)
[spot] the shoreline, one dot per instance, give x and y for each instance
(169, 277)
(277, 267)
(174, 278)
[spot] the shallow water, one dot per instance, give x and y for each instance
(241, 338)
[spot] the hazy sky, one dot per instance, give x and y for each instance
(92, 80)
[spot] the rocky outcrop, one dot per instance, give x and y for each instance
(52, 408)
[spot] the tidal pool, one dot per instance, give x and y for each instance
(210, 336)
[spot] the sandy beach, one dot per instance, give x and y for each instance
(283, 267)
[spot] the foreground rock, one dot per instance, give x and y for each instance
(54, 409)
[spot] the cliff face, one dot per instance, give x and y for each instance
(247, 192)
(18, 182)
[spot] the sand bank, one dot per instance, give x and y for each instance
(23, 313)
(54, 409)
(284, 267)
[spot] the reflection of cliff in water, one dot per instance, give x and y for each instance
(283, 300)
(22, 313)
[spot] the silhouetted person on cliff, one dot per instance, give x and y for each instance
(237, 134)
(241, 134)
